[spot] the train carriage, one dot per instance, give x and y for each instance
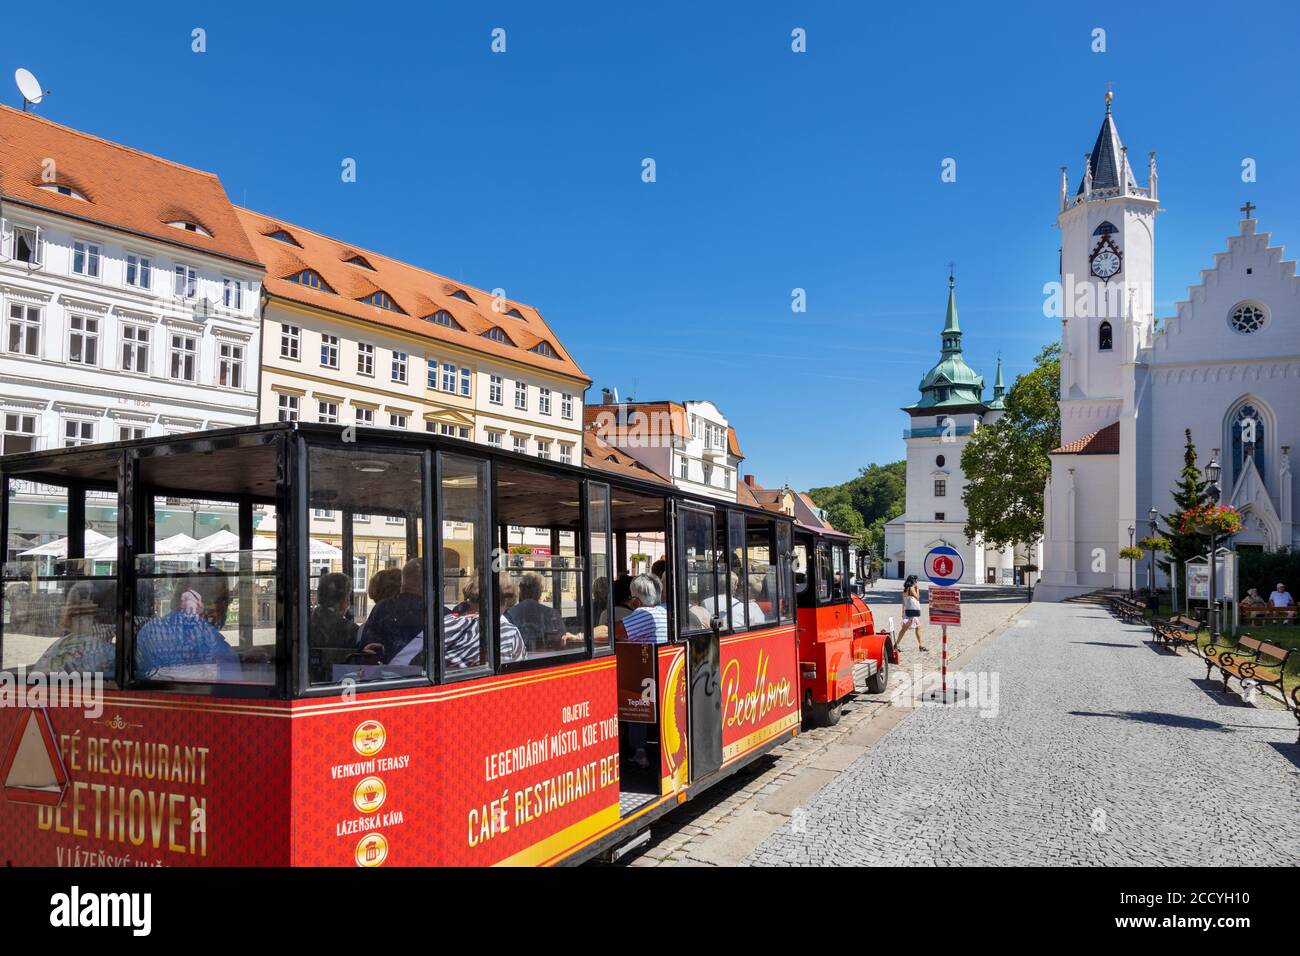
(841, 652)
(399, 649)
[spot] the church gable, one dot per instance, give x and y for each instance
(1247, 306)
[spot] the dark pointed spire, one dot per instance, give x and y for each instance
(1106, 159)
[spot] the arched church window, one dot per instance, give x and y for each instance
(1105, 229)
(1247, 440)
(1105, 338)
(1247, 317)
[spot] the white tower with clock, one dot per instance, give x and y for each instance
(1107, 281)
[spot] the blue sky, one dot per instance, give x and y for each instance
(775, 170)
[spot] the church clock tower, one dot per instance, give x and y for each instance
(1107, 281)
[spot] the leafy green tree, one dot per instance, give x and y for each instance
(1006, 464)
(844, 517)
(1188, 493)
(877, 494)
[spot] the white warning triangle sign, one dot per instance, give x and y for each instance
(33, 770)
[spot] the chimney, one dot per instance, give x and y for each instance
(749, 480)
(606, 396)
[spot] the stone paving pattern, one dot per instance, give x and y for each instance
(1106, 750)
(725, 823)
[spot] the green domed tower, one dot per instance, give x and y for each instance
(951, 385)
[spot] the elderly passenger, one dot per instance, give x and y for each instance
(648, 621)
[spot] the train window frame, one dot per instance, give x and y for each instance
(485, 561)
(822, 569)
(304, 686)
(583, 570)
(787, 594)
(591, 490)
(682, 511)
(766, 527)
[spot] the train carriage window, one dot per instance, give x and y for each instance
(733, 584)
(823, 572)
(465, 588)
(785, 572)
(60, 595)
(839, 573)
(698, 561)
(640, 545)
(541, 585)
(205, 583)
(762, 571)
(384, 636)
(601, 551)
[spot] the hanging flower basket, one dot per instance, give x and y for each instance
(1210, 519)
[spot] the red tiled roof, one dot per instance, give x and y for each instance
(597, 454)
(733, 443)
(125, 189)
(653, 415)
(1104, 441)
(417, 292)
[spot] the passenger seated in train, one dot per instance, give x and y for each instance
(461, 634)
(384, 584)
(332, 634)
(394, 621)
(647, 623)
(540, 624)
(87, 644)
(187, 644)
(733, 603)
(623, 605)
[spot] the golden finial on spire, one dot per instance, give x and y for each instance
(1110, 95)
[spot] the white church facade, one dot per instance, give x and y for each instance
(950, 410)
(1226, 366)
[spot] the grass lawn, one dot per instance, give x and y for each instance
(1283, 635)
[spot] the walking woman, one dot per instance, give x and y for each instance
(912, 611)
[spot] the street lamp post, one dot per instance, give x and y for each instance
(1131, 529)
(1151, 568)
(1212, 472)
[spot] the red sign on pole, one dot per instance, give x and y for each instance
(945, 605)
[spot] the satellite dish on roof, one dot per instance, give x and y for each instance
(29, 87)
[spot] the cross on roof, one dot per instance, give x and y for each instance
(1248, 208)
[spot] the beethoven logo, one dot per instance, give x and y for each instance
(74, 909)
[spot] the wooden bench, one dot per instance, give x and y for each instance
(1178, 631)
(1128, 610)
(1267, 615)
(1254, 660)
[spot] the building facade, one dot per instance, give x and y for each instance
(689, 443)
(951, 409)
(1225, 366)
(353, 337)
(129, 294)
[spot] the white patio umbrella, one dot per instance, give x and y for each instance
(59, 547)
(180, 543)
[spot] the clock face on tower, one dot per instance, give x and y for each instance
(1105, 260)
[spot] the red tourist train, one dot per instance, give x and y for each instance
(840, 651)
(298, 645)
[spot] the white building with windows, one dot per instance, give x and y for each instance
(689, 443)
(128, 292)
(951, 409)
(1225, 366)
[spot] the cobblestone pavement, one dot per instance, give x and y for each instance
(727, 822)
(1105, 750)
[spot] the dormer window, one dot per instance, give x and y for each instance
(63, 190)
(189, 226)
(360, 262)
(462, 295)
(496, 335)
(443, 317)
(381, 299)
(280, 235)
(516, 313)
(311, 279)
(544, 349)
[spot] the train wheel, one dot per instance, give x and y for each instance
(826, 715)
(879, 681)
